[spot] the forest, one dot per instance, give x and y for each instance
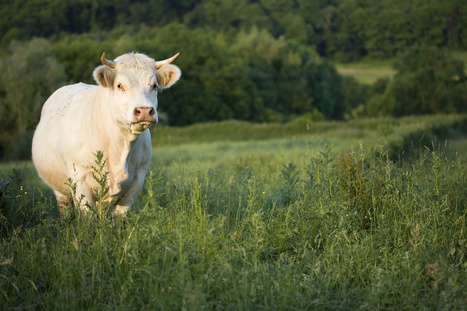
(251, 60)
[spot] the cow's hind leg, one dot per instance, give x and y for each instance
(63, 203)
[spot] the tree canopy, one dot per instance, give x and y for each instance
(428, 81)
(340, 29)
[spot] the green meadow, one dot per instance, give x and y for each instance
(369, 70)
(367, 214)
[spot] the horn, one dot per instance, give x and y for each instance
(161, 63)
(107, 62)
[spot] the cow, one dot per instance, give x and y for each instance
(113, 118)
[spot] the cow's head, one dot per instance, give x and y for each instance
(133, 81)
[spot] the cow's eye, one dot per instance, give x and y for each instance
(120, 87)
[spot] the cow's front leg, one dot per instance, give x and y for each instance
(128, 199)
(83, 196)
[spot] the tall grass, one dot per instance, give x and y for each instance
(291, 224)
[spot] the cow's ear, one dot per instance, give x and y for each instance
(104, 75)
(167, 75)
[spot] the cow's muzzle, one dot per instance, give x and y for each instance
(144, 114)
(143, 118)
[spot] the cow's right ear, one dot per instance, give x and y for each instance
(104, 76)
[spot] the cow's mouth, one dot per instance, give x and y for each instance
(139, 127)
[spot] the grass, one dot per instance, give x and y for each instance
(460, 55)
(327, 219)
(367, 71)
(395, 133)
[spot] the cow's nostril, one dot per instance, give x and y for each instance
(137, 112)
(152, 112)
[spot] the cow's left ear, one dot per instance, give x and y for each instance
(104, 75)
(167, 75)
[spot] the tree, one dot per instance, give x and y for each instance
(428, 81)
(28, 75)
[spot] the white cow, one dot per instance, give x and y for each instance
(113, 117)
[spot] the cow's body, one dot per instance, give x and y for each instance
(113, 117)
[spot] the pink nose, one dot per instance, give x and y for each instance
(144, 114)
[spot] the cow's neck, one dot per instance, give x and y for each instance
(119, 153)
(119, 146)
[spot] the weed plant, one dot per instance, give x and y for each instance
(251, 226)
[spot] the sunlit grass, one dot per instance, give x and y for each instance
(367, 71)
(460, 55)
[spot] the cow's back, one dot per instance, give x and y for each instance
(59, 103)
(49, 132)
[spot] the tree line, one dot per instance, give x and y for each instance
(240, 59)
(339, 29)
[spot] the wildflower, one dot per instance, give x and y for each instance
(21, 188)
(264, 192)
(212, 280)
(170, 288)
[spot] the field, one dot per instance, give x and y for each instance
(368, 214)
(368, 70)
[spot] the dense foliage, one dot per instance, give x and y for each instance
(428, 81)
(342, 29)
(261, 61)
(28, 76)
